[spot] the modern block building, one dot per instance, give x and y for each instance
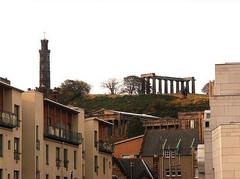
(98, 149)
(52, 139)
(222, 156)
(10, 131)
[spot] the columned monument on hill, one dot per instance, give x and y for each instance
(153, 84)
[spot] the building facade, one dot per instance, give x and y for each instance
(171, 153)
(10, 131)
(224, 126)
(120, 121)
(192, 120)
(98, 149)
(52, 139)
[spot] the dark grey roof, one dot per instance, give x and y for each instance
(183, 140)
(138, 168)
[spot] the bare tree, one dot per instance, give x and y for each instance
(112, 84)
(205, 88)
(132, 85)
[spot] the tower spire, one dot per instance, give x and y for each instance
(44, 75)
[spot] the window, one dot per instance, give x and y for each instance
(173, 172)
(65, 158)
(47, 176)
(75, 160)
(167, 153)
(208, 115)
(192, 124)
(58, 157)
(95, 139)
(65, 177)
(37, 163)
(8, 176)
(179, 173)
(1, 174)
(37, 139)
(16, 111)
(96, 164)
(1, 145)
(9, 145)
(49, 121)
(207, 124)
(196, 173)
(104, 165)
(167, 172)
(16, 149)
(172, 153)
(16, 174)
(57, 177)
(47, 154)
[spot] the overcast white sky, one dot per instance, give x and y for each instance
(94, 40)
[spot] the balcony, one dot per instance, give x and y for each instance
(63, 135)
(16, 155)
(58, 162)
(8, 119)
(38, 174)
(38, 144)
(106, 147)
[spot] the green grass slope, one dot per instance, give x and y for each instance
(159, 105)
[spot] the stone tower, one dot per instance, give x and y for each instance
(44, 76)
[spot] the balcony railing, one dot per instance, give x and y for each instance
(38, 174)
(38, 144)
(65, 163)
(63, 135)
(106, 147)
(58, 162)
(8, 119)
(16, 155)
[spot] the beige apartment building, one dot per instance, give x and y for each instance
(10, 131)
(98, 158)
(52, 139)
(222, 157)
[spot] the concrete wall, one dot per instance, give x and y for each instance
(32, 116)
(92, 125)
(226, 151)
(11, 97)
(224, 129)
(227, 81)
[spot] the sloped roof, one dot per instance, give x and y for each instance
(182, 139)
(127, 113)
(138, 168)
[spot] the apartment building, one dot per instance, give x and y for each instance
(98, 149)
(10, 131)
(52, 139)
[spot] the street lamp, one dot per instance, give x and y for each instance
(131, 165)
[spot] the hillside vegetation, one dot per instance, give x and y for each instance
(158, 105)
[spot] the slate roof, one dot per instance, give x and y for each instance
(183, 140)
(139, 170)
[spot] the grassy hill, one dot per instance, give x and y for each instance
(159, 105)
